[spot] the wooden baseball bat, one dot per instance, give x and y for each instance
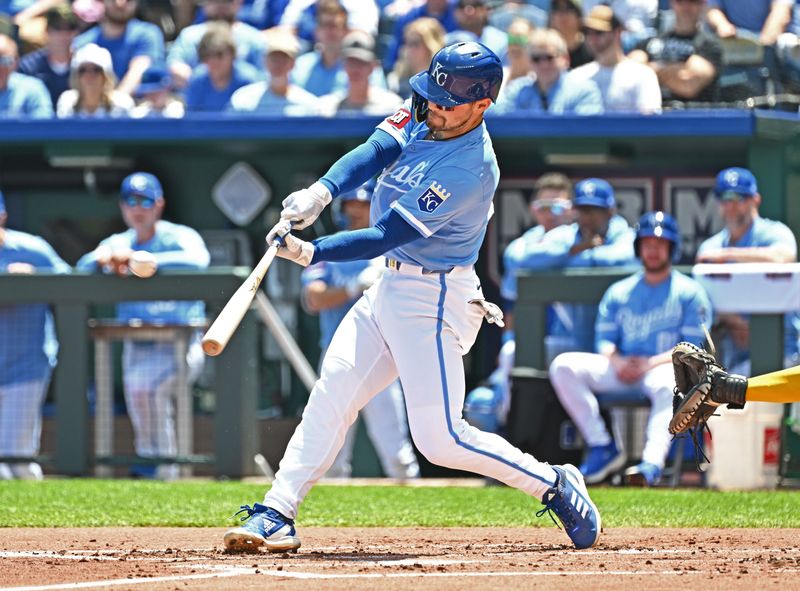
(221, 330)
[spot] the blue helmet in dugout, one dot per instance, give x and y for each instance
(659, 225)
(460, 73)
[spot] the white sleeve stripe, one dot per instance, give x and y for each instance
(491, 211)
(408, 216)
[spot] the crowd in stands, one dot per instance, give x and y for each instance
(141, 58)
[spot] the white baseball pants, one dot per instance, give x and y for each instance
(417, 326)
(577, 376)
(385, 419)
(150, 377)
(21, 426)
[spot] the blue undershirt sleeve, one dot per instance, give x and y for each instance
(389, 232)
(362, 163)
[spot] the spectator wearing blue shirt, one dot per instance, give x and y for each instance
(133, 44)
(220, 75)
(300, 16)
(28, 349)
(276, 96)
(473, 16)
(51, 63)
(321, 71)
(20, 95)
(747, 238)
(183, 56)
(149, 368)
(442, 10)
(551, 89)
(766, 19)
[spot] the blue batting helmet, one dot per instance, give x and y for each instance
(143, 184)
(460, 73)
(660, 225)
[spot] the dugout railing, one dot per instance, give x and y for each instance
(236, 380)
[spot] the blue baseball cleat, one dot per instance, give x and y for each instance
(266, 527)
(570, 501)
(602, 461)
(644, 474)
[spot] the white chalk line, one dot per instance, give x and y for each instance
(231, 572)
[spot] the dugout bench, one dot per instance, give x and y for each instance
(536, 290)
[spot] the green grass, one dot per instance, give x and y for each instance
(74, 503)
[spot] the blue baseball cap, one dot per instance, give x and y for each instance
(143, 184)
(155, 78)
(735, 183)
(2, 203)
(594, 193)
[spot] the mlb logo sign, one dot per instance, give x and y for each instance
(432, 198)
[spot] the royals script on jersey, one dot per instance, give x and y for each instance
(442, 188)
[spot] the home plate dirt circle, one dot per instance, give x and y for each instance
(355, 559)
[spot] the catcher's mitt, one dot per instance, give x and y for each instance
(692, 403)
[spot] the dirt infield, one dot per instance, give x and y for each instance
(355, 559)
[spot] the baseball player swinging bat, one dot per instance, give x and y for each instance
(221, 330)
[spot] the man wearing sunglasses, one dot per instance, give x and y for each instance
(429, 213)
(20, 95)
(747, 238)
(551, 89)
(686, 59)
(149, 368)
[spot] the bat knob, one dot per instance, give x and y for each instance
(211, 347)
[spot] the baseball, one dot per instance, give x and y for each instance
(143, 264)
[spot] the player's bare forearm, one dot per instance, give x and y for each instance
(748, 254)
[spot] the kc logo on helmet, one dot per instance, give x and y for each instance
(439, 76)
(432, 198)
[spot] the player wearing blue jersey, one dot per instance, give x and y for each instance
(330, 289)
(639, 321)
(598, 238)
(429, 215)
(28, 348)
(149, 368)
(747, 238)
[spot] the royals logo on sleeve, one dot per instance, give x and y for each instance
(399, 119)
(432, 198)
